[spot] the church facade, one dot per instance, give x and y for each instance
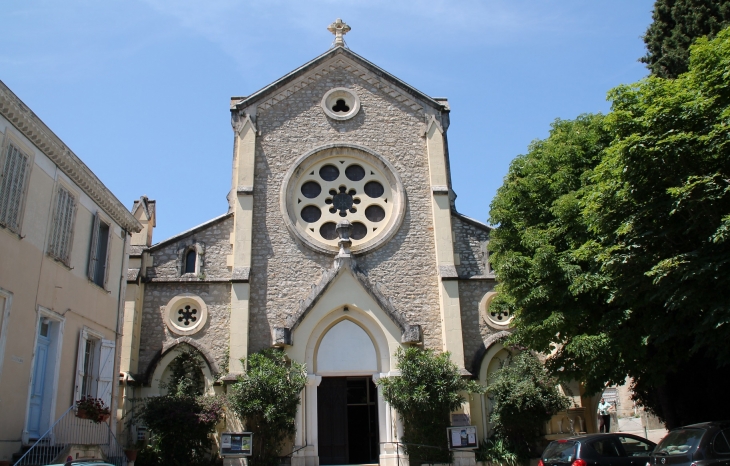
(340, 244)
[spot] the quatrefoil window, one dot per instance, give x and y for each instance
(187, 315)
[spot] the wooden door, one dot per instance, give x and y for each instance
(332, 420)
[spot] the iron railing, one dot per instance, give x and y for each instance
(71, 430)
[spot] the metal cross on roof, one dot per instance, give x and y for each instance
(339, 28)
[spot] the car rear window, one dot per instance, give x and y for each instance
(679, 442)
(562, 451)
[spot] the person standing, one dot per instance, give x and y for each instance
(604, 417)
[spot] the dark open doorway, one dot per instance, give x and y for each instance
(347, 416)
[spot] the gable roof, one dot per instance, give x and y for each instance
(280, 89)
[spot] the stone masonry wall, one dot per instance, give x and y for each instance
(468, 244)
(166, 283)
(283, 271)
(473, 326)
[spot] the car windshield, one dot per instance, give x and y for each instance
(562, 451)
(679, 442)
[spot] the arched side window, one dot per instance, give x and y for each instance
(191, 259)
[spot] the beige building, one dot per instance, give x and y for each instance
(63, 237)
(340, 243)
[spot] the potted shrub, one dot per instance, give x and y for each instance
(93, 409)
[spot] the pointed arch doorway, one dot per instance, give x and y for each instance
(347, 402)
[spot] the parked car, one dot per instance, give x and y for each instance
(616, 449)
(84, 462)
(705, 444)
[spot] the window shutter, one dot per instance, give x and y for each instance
(63, 221)
(92, 249)
(106, 372)
(107, 259)
(80, 365)
(14, 180)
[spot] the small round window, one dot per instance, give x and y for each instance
(340, 183)
(185, 314)
(500, 319)
(340, 104)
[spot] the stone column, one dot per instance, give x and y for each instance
(240, 261)
(307, 418)
(390, 430)
(451, 334)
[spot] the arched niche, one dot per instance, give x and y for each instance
(346, 348)
(161, 371)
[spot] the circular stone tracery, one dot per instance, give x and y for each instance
(342, 182)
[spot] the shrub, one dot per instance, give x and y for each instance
(524, 397)
(266, 398)
(424, 395)
(180, 422)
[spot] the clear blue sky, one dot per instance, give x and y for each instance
(139, 89)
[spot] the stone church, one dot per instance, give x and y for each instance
(341, 242)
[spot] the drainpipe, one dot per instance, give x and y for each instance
(118, 333)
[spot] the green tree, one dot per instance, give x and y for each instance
(660, 211)
(428, 389)
(542, 254)
(677, 23)
(266, 398)
(524, 398)
(614, 253)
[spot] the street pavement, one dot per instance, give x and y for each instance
(632, 425)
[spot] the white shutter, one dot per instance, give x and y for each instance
(80, 366)
(106, 372)
(92, 250)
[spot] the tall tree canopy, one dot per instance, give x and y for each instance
(677, 23)
(613, 246)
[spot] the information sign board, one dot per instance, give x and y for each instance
(236, 444)
(462, 437)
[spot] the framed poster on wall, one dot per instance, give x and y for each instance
(462, 437)
(236, 444)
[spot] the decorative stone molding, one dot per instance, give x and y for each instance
(410, 333)
(244, 189)
(344, 100)
(241, 274)
(185, 314)
(338, 181)
(12, 108)
(448, 272)
(323, 65)
(440, 189)
(172, 345)
(476, 363)
(282, 337)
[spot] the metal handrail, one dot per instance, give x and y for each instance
(71, 430)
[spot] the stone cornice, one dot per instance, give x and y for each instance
(28, 123)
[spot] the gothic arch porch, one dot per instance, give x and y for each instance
(347, 348)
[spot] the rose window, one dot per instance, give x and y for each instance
(343, 184)
(186, 314)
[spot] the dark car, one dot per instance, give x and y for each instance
(706, 444)
(598, 450)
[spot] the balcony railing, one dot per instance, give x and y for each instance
(71, 430)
